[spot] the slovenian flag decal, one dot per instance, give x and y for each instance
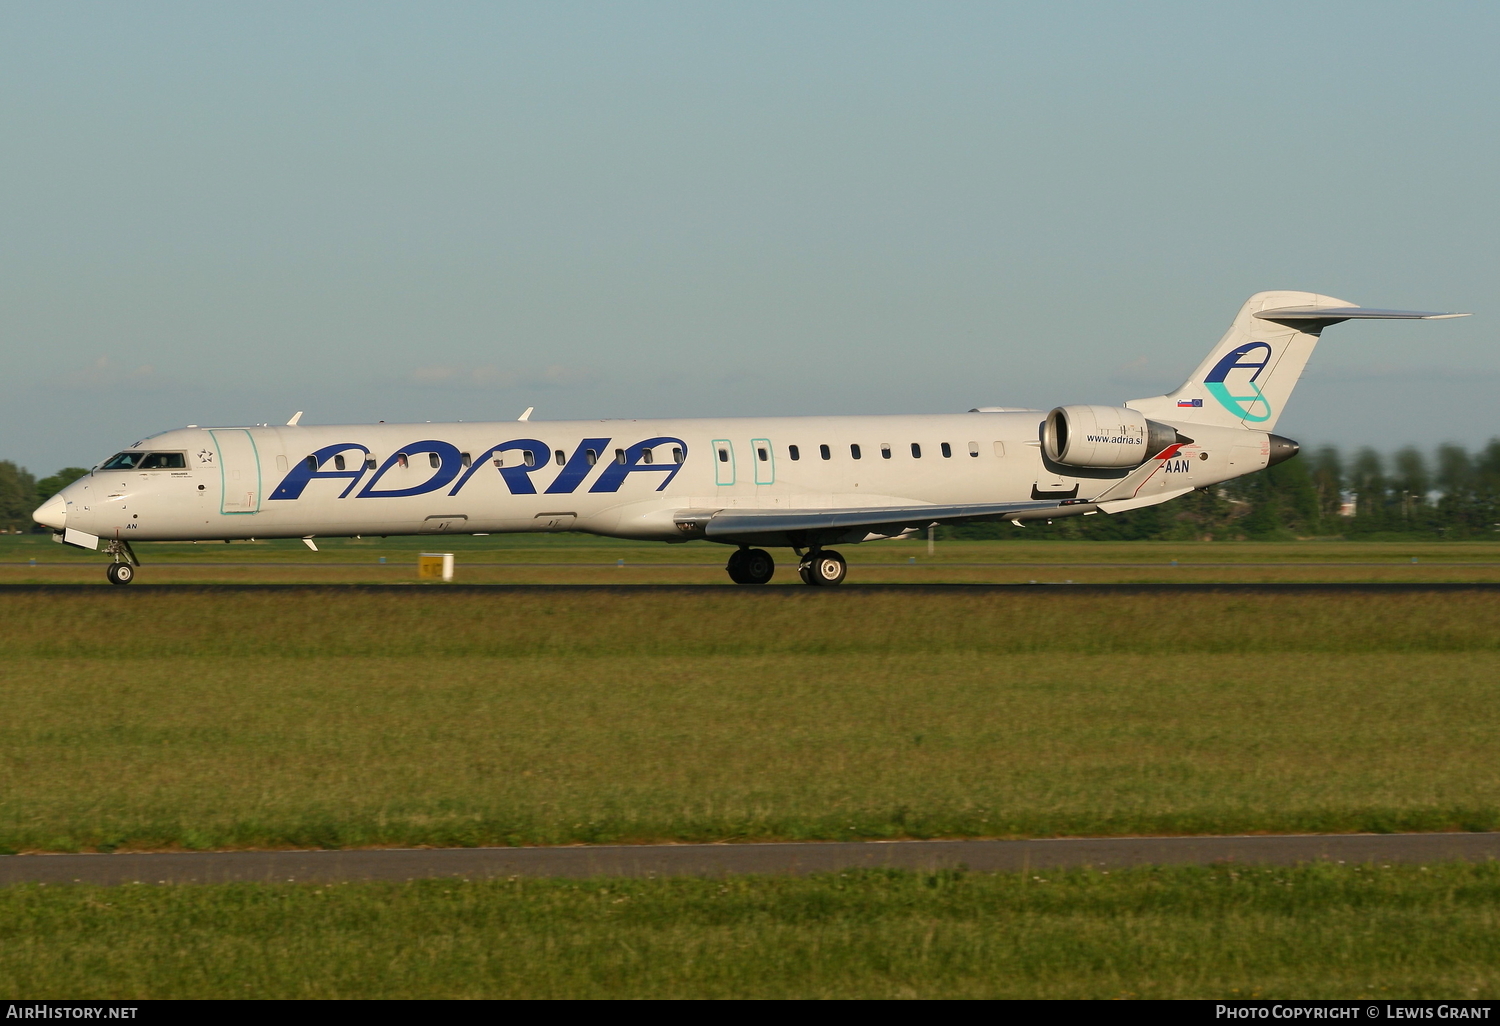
(1189, 403)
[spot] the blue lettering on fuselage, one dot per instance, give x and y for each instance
(518, 475)
(578, 466)
(447, 469)
(532, 455)
(292, 485)
(614, 475)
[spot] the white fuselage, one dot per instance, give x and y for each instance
(394, 479)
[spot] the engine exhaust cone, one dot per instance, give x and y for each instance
(1282, 449)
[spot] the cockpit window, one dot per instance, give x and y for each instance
(123, 461)
(164, 461)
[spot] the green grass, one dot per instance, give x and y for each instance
(140, 720)
(573, 547)
(583, 559)
(1325, 931)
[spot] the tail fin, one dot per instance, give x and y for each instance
(1246, 380)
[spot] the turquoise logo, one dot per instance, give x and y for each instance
(1241, 396)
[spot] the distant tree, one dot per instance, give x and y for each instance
(50, 486)
(1487, 489)
(17, 497)
(1367, 481)
(1456, 517)
(1410, 485)
(1328, 481)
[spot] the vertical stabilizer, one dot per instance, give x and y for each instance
(1246, 380)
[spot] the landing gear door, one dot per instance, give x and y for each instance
(239, 471)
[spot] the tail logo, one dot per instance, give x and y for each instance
(1237, 392)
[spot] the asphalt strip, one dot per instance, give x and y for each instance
(795, 859)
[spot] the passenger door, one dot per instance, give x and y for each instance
(239, 471)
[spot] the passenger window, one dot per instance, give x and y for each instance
(677, 454)
(592, 455)
(620, 457)
(916, 451)
(794, 452)
(312, 463)
(434, 460)
(560, 457)
(823, 451)
(723, 455)
(761, 454)
(465, 459)
(528, 457)
(974, 449)
(885, 450)
(401, 460)
(1000, 449)
(369, 462)
(854, 449)
(947, 451)
(338, 462)
(647, 456)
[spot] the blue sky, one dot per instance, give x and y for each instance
(225, 213)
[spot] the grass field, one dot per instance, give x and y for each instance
(1323, 931)
(148, 720)
(581, 559)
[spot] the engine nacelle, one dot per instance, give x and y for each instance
(1103, 436)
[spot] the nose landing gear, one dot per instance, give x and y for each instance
(750, 566)
(122, 569)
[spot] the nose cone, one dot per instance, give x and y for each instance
(1282, 449)
(53, 513)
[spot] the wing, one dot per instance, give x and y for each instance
(827, 526)
(850, 524)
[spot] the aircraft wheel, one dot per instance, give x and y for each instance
(735, 568)
(120, 573)
(757, 567)
(804, 570)
(827, 568)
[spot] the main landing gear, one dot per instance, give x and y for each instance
(822, 567)
(751, 566)
(818, 567)
(122, 569)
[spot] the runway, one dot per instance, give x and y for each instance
(778, 590)
(661, 860)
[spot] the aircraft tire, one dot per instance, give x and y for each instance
(120, 573)
(804, 571)
(827, 569)
(757, 567)
(735, 568)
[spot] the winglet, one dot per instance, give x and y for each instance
(527, 414)
(295, 417)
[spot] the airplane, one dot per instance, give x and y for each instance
(753, 483)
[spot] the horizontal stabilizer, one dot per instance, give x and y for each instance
(1326, 315)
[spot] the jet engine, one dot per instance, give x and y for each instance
(1103, 436)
